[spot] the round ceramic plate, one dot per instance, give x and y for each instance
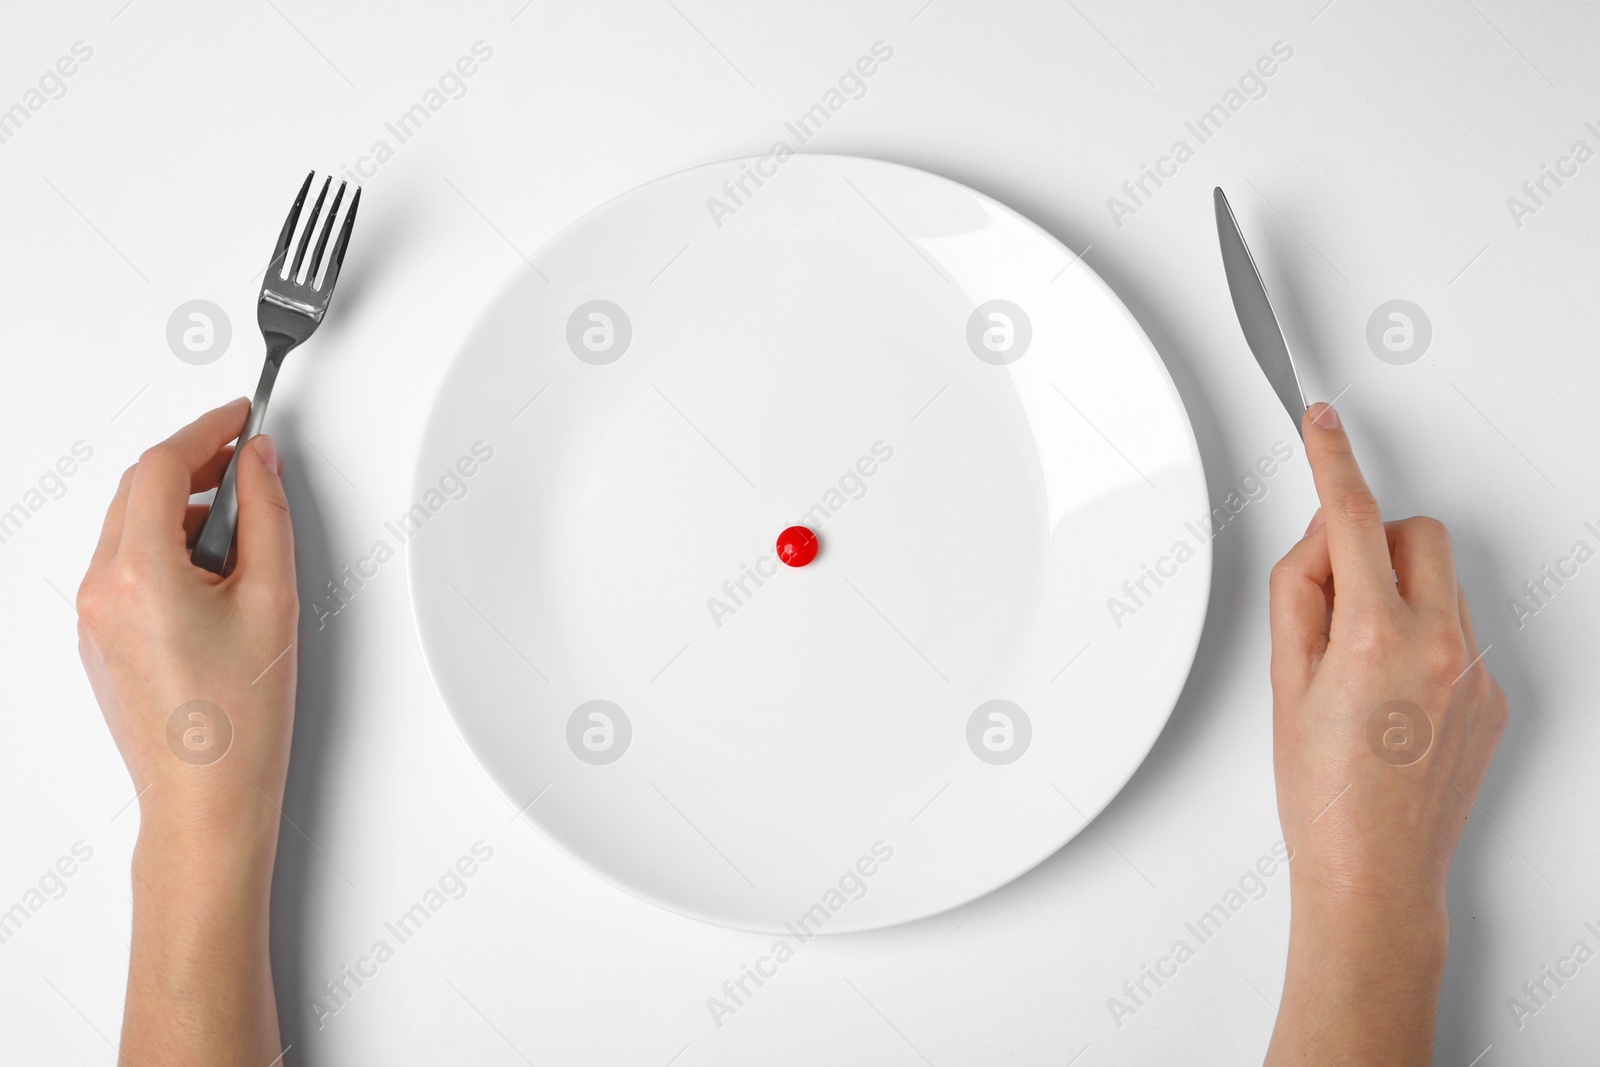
(1011, 511)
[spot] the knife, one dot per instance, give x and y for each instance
(1254, 308)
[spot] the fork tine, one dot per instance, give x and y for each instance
(339, 245)
(282, 248)
(322, 238)
(311, 224)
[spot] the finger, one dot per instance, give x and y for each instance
(111, 529)
(1300, 609)
(1424, 564)
(266, 541)
(159, 498)
(1356, 541)
(207, 477)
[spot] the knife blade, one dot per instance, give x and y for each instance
(1254, 309)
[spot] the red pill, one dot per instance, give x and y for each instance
(797, 546)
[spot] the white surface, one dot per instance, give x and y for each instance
(753, 741)
(1387, 146)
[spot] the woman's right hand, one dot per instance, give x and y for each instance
(1385, 719)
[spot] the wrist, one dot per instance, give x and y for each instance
(1363, 979)
(1380, 905)
(191, 845)
(1390, 931)
(199, 967)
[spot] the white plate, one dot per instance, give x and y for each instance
(807, 343)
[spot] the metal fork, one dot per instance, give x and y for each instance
(288, 311)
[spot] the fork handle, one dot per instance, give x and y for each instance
(216, 536)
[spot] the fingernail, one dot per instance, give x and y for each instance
(268, 454)
(1327, 418)
(1316, 522)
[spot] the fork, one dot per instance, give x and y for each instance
(288, 311)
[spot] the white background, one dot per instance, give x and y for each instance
(1376, 166)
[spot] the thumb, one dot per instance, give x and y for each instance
(266, 540)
